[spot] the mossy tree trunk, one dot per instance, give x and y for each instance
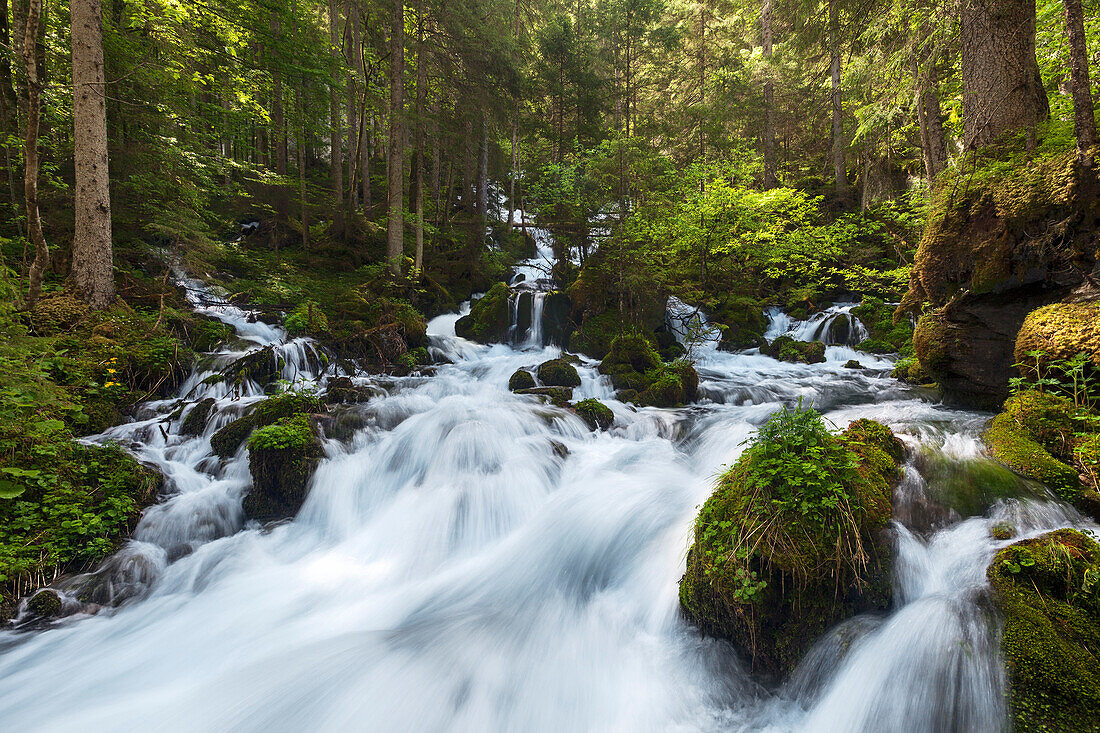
(335, 123)
(1002, 89)
(395, 232)
(1084, 120)
(30, 155)
(840, 169)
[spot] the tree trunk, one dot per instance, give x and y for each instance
(1002, 90)
(1084, 120)
(92, 257)
(352, 126)
(336, 136)
(301, 148)
(7, 89)
(364, 130)
(277, 133)
(770, 179)
(418, 169)
(933, 143)
(840, 168)
(30, 156)
(395, 237)
(483, 177)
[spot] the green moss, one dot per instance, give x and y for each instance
(558, 396)
(45, 604)
(489, 317)
(595, 413)
(1086, 458)
(1056, 333)
(521, 379)
(282, 458)
(57, 313)
(786, 348)
(195, 422)
(1046, 418)
(741, 319)
(970, 486)
(558, 373)
(791, 542)
(226, 441)
(1012, 446)
(1047, 591)
(596, 334)
(669, 385)
(261, 366)
(306, 320)
(910, 370)
(886, 336)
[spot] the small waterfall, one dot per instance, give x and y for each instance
(690, 325)
(835, 326)
(534, 333)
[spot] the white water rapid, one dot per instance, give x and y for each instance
(473, 560)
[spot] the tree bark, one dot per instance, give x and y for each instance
(840, 168)
(770, 180)
(364, 131)
(336, 137)
(301, 148)
(1002, 90)
(1084, 120)
(30, 155)
(92, 257)
(352, 121)
(483, 177)
(418, 168)
(395, 232)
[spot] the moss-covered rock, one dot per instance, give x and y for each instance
(636, 370)
(628, 359)
(282, 458)
(559, 396)
(261, 366)
(46, 603)
(852, 364)
(228, 439)
(521, 379)
(1047, 592)
(339, 390)
(1056, 333)
(595, 413)
(670, 385)
(785, 348)
(1047, 418)
(1007, 232)
(784, 549)
(911, 371)
(741, 320)
(489, 317)
(558, 373)
(199, 415)
(885, 336)
(57, 313)
(1015, 448)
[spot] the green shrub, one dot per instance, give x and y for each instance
(307, 319)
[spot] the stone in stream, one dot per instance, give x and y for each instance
(521, 379)
(281, 458)
(195, 422)
(558, 373)
(229, 438)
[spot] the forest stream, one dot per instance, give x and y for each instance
(469, 559)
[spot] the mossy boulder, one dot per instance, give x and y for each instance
(46, 603)
(852, 364)
(741, 320)
(555, 317)
(1015, 448)
(1056, 333)
(558, 396)
(489, 317)
(558, 373)
(56, 313)
(262, 366)
(1007, 232)
(911, 371)
(521, 379)
(636, 370)
(628, 359)
(340, 390)
(1047, 593)
(670, 385)
(596, 414)
(197, 417)
(794, 538)
(1047, 418)
(885, 335)
(282, 457)
(785, 348)
(228, 439)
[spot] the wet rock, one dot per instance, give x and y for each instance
(195, 422)
(742, 321)
(852, 364)
(228, 439)
(559, 396)
(1045, 590)
(489, 317)
(46, 603)
(281, 458)
(596, 414)
(791, 583)
(521, 379)
(558, 373)
(261, 366)
(786, 348)
(342, 390)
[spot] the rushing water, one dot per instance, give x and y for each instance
(473, 560)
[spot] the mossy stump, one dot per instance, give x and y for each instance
(1047, 593)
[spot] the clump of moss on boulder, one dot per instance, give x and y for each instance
(741, 320)
(521, 379)
(794, 538)
(786, 348)
(282, 457)
(558, 373)
(595, 413)
(1056, 333)
(558, 396)
(1047, 592)
(195, 422)
(909, 370)
(489, 317)
(636, 370)
(228, 439)
(884, 335)
(261, 366)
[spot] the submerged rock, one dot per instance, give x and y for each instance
(783, 550)
(282, 458)
(1046, 590)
